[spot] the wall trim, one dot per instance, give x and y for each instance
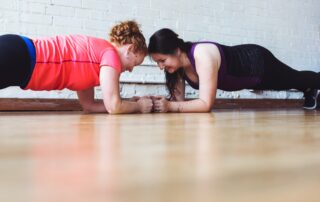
(15, 104)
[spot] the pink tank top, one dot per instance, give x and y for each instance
(71, 62)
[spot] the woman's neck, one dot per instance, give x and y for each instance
(120, 50)
(185, 62)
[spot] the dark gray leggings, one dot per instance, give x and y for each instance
(279, 76)
(255, 60)
(14, 61)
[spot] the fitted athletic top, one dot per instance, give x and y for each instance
(71, 62)
(229, 61)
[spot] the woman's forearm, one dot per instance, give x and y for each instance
(127, 107)
(196, 105)
(119, 106)
(123, 107)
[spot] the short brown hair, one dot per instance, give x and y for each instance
(128, 32)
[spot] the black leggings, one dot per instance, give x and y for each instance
(255, 60)
(14, 61)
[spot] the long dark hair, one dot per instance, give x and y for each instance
(166, 41)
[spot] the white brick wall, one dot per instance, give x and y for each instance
(290, 29)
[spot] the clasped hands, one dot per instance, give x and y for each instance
(148, 104)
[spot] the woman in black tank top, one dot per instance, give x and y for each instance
(247, 66)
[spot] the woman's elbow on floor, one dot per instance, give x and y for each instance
(207, 107)
(113, 108)
(86, 108)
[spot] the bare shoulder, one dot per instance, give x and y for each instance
(207, 52)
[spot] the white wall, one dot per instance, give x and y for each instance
(290, 29)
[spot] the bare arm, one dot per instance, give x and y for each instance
(109, 81)
(88, 103)
(112, 102)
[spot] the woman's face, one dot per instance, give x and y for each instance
(132, 59)
(168, 62)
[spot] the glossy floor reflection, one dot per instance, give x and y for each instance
(221, 156)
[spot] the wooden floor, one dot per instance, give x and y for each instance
(242, 155)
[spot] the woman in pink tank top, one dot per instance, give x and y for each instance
(78, 63)
(131, 47)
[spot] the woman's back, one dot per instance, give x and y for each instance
(71, 61)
